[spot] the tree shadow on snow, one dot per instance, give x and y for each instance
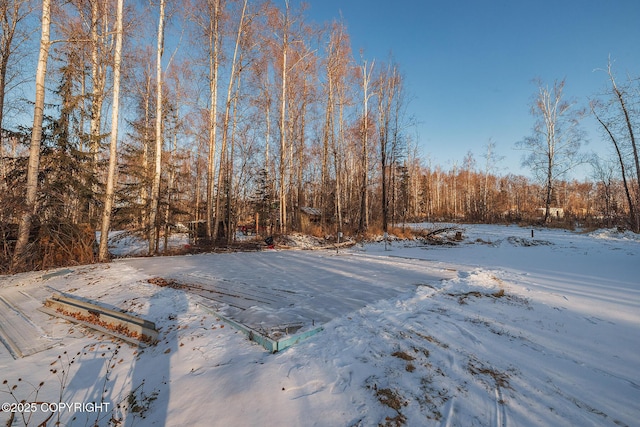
(148, 401)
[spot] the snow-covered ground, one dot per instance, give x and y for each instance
(501, 329)
(126, 243)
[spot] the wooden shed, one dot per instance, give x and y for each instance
(309, 216)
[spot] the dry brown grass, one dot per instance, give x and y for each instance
(400, 232)
(315, 231)
(402, 355)
(391, 398)
(403, 232)
(501, 379)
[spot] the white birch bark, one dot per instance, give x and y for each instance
(214, 44)
(103, 252)
(225, 123)
(155, 188)
(36, 138)
(283, 114)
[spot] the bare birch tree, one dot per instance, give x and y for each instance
(208, 17)
(262, 99)
(225, 124)
(388, 86)
(291, 51)
(366, 70)
(554, 147)
(213, 33)
(340, 149)
(99, 29)
(103, 254)
(616, 120)
(36, 138)
(155, 186)
(282, 189)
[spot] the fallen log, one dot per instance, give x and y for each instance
(434, 236)
(438, 231)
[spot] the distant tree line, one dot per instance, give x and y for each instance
(226, 113)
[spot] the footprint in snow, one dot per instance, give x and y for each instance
(342, 383)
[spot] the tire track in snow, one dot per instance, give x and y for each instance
(459, 360)
(501, 416)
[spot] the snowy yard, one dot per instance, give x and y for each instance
(501, 329)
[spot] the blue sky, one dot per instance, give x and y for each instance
(469, 64)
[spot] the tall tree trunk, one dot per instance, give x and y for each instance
(4, 62)
(384, 106)
(328, 130)
(301, 201)
(337, 199)
(144, 191)
(269, 191)
(230, 163)
(36, 138)
(225, 124)
(3, 75)
(338, 149)
(214, 44)
(385, 203)
(282, 193)
(635, 219)
(170, 191)
(628, 123)
(364, 200)
(155, 188)
(197, 198)
(548, 188)
(625, 184)
(103, 253)
(267, 172)
(97, 94)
